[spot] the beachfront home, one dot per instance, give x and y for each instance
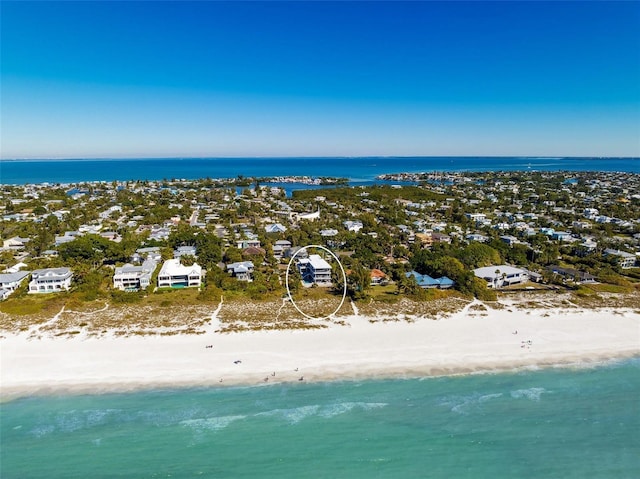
(134, 278)
(175, 275)
(426, 281)
(242, 271)
(9, 282)
(625, 260)
(315, 269)
(502, 275)
(378, 278)
(50, 280)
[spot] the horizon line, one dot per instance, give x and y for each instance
(107, 158)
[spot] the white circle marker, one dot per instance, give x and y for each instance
(344, 276)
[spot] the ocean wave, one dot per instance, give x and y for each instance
(531, 393)
(294, 415)
(210, 423)
(341, 408)
(463, 404)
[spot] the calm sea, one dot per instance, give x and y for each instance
(358, 170)
(551, 423)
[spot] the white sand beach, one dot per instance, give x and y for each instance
(465, 342)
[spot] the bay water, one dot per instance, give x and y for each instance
(359, 170)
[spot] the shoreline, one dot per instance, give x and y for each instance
(463, 343)
(9, 394)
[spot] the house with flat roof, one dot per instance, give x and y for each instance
(50, 280)
(315, 269)
(175, 275)
(134, 278)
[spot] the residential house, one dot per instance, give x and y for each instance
(242, 271)
(561, 236)
(572, 274)
(280, 247)
(477, 237)
(185, 251)
(426, 239)
(134, 278)
(248, 243)
(427, 282)
(151, 253)
(9, 282)
(175, 275)
(16, 267)
(50, 280)
(309, 216)
(315, 269)
(67, 237)
(440, 238)
(625, 260)
(15, 243)
(378, 278)
(510, 240)
(275, 228)
(502, 275)
(353, 226)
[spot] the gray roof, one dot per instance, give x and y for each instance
(11, 277)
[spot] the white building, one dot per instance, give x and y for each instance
(503, 275)
(625, 260)
(354, 226)
(315, 269)
(9, 282)
(174, 275)
(50, 280)
(133, 278)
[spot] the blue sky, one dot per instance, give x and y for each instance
(125, 79)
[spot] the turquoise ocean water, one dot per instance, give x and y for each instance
(551, 423)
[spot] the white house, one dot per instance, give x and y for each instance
(174, 275)
(315, 269)
(133, 278)
(625, 260)
(309, 216)
(15, 243)
(500, 276)
(9, 282)
(354, 226)
(50, 280)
